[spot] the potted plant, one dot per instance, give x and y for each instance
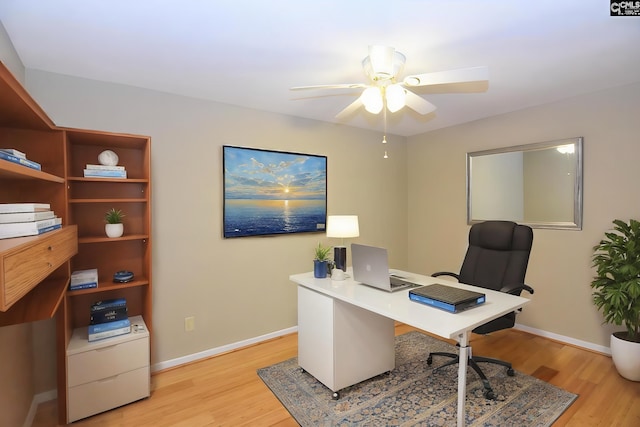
(113, 218)
(321, 261)
(617, 292)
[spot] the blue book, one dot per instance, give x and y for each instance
(8, 231)
(111, 315)
(50, 228)
(24, 162)
(83, 286)
(108, 330)
(14, 152)
(108, 304)
(109, 326)
(100, 173)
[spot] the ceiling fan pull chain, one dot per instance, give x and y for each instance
(384, 135)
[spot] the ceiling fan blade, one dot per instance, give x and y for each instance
(418, 103)
(350, 109)
(336, 86)
(461, 75)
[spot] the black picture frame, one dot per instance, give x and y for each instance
(268, 192)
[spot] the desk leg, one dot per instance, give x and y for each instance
(462, 377)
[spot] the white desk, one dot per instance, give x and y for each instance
(346, 329)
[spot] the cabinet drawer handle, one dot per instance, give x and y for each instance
(50, 248)
(109, 348)
(49, 265)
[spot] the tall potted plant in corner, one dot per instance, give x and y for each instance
(617, 292)
(113, 218)
(321, 261)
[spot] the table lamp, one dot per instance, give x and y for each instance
(341, 226)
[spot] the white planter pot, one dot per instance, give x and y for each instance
(114, 230)
(626, 358)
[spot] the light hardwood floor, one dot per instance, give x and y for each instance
(226, 391)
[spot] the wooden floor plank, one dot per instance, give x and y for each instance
(225, 390)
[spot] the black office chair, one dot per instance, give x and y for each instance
(496, 259)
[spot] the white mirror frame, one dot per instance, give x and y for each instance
(492, 188)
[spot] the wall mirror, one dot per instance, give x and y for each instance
(535, 184)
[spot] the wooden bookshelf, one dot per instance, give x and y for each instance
(42, 292)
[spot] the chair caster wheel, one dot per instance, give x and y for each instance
(489, 395)
(335, 395)
(429, 360)
(510, 372)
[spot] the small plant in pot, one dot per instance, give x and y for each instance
(113, 218)
(617, 292)
(321, 261)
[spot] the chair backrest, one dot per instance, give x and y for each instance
(498, 254)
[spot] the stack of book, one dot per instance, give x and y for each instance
(103, 171)
(15, 156)
(27, 219)
(109, 318)
(84, 279)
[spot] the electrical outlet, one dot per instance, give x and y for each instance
(189, 323)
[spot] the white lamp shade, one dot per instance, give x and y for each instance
(342, 226)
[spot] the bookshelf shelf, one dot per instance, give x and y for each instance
(41, 302)
(118, 180)
(107, 200)
(104, 286)
(9, 170)
(101, 239)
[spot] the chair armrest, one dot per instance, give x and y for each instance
(516, 289)
(446, 273)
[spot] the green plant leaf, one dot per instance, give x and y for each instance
(617, 282)
(114, 216)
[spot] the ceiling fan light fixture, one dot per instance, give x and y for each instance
(372, 100)
(396, 97)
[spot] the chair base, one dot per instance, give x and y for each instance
(473, 361)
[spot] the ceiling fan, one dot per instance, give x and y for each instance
(383, 67)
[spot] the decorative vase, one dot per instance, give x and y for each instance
(626, 356)
(114, 230)
(320, 269)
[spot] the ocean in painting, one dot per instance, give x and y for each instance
(251, 217)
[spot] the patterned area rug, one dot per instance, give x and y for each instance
(413, 395)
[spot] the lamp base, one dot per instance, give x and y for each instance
(338, 274)
(340, 257)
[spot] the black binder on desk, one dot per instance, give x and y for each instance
(447, 298)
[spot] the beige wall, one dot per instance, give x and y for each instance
(9, 56)
(17, 371)
(236, 288)
(559, 268)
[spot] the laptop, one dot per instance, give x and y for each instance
(448, 298)
(371, 267)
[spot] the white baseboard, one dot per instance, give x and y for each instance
(564, 339)
(218, 350)
(37, 400)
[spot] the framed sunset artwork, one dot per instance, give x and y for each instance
(270, 192)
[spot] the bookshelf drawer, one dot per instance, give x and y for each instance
(107, 361)
(25, 268)
(99, 396)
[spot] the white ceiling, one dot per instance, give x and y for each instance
(249, 53)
